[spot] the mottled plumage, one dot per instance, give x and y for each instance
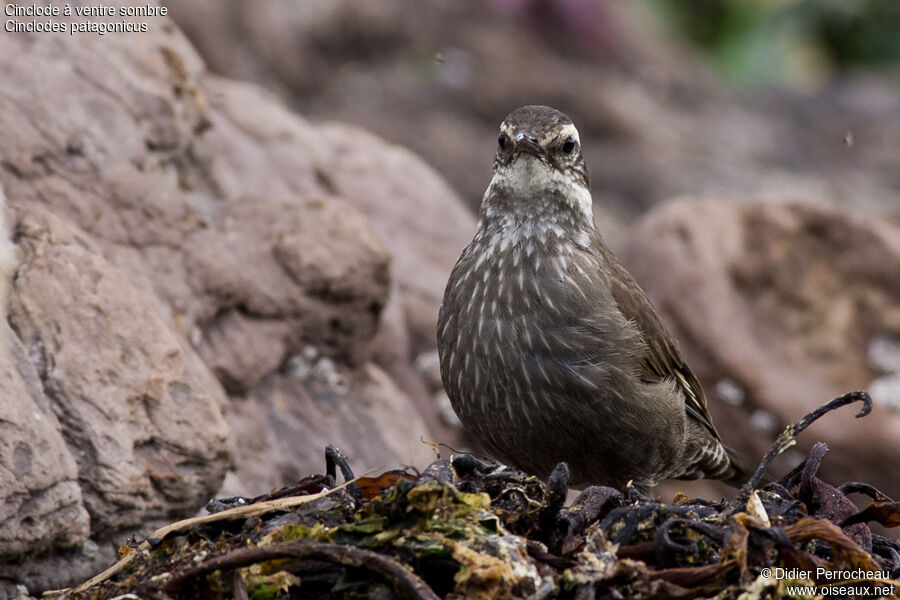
(549, 350)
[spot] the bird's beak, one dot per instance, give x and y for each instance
(525, 142)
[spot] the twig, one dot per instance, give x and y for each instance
(232, 513)
(239, 587)
(335, 458)
(810, 468)
(858, 487)
(786, 439)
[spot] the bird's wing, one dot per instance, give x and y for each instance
(663, 360)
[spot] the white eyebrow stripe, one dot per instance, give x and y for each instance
(570, 130)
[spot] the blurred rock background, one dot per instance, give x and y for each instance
(230, 235)
(735, 105)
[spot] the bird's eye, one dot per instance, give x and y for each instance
(569, 145)
(502, 141)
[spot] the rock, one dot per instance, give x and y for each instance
(280, 273)
(284, 425)
(129, 394)
(326, 289)
(417, 214)
(41, 503)
(782, 301)
(425, 226)
(202, 282)
(49, 570)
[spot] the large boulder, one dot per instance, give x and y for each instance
(126, 389)
(198, 288)
(42, 504)
(778, 307)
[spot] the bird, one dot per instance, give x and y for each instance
(549, 349)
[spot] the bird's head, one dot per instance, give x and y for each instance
(538, 165)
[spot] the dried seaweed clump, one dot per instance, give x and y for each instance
(464, 528)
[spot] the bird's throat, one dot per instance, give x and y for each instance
(529, 200)
(528, 177)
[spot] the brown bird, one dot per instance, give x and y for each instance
(549, 349)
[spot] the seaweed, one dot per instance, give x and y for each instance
(467, 528)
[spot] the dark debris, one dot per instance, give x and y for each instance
(465, 528)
